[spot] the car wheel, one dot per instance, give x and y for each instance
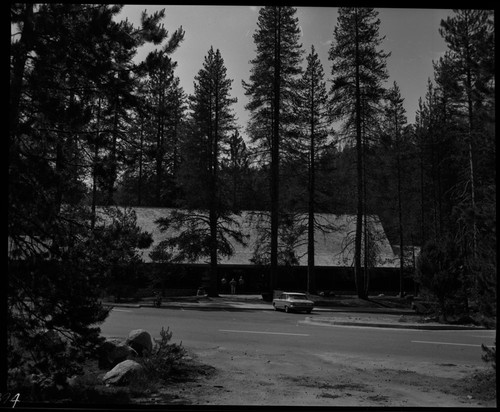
(308, 311)
(286, 309)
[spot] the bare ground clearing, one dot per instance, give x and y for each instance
(245, 378)
(219, 376)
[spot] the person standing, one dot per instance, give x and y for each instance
(241, 283)
(223, 282)
(233, 286)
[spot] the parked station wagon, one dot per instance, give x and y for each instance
(293, 302)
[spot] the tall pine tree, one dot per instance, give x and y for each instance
(469, 36)
(358, 71)
(314, 115)
(212, 124)
(271, 89)
(56, 260)
(395, 122)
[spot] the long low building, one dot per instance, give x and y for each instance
(334, 238)
(334, 253)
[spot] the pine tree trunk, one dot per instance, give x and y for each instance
(139, 179)
(113, 161)
(400, 222)
(439, 193)
(310, 241)
(366, 244)
(422, 207)
(159, 150)
(235, 183)
(212, 287)
(435, 201)
(400, 210)
(159, 165)
(471, 161)
(212, 283)
(358, 275)
(275, 155)
(471, 177)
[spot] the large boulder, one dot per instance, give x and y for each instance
(122, 372)
(114, 351)
(140, 340)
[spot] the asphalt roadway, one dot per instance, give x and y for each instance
(277, 334)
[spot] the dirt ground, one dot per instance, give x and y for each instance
(253, 380)
(219, 376)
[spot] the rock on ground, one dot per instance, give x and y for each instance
(140, 340)
(122, 372)
(114, 351)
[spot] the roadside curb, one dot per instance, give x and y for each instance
(242, 306)
(211, 306)
(327, 322)
(169, 305)
(122, 305)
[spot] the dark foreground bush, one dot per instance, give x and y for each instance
(164, 363)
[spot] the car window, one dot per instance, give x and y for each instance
(283, 296)
(299, 297)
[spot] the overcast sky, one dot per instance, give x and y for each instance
(412, 37)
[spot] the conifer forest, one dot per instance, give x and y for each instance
(93, 127)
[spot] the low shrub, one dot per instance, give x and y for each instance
(490, 355)
(163, 359)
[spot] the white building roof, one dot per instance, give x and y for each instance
(333, 247)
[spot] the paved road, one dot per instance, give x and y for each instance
(279, 333)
